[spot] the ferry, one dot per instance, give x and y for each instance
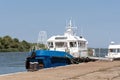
(113, 51)
(62, 50)
(69, 42)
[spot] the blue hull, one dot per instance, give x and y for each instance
(46, 59)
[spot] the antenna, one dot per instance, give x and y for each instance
(75, 28)
(70, 26)
(69, 29)
(81, 31)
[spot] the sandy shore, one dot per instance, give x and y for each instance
(100, 70)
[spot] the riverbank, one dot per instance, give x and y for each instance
(99, 70)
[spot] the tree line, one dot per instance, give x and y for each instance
(8, 44)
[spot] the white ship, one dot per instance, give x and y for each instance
(113, 51)
(69, 42)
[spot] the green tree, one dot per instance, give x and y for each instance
(25, 44)
(8, 44)
(6, 41)
(16, 40)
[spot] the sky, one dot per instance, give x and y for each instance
(98, 21)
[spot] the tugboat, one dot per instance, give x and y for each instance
(62, 50)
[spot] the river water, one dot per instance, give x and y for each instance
(12, 62)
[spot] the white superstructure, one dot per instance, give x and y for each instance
(69, 42)
(113, 51)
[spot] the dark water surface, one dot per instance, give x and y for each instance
(11, 62)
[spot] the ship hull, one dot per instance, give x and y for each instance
(44, 59)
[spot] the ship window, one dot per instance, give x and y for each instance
(112, 50)
(50, 44)
(60, 44)
(118, 50)
(61, 38)
(73, 44)
(81, 44)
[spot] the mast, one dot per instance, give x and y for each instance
(69, 29)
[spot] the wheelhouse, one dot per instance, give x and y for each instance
(114, 50)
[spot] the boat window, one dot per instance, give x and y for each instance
(73, 44)
(118, 50)
(81, 44)
(60, 44)
(61, 38)
(50, 44)
(112, 50)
